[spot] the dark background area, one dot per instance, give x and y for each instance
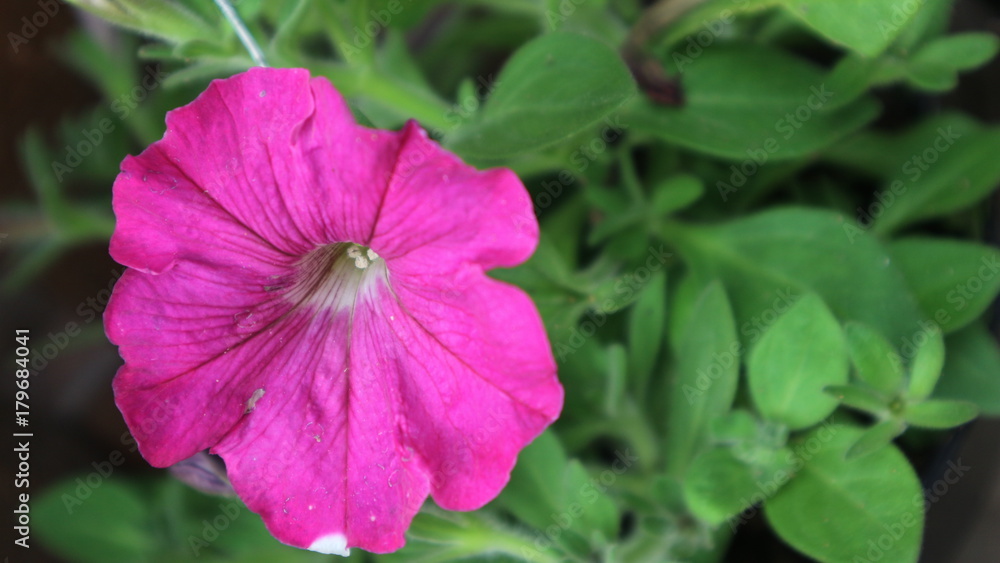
(76, 424)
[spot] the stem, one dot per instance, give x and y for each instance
(241, 31)
(630, 179)
(517, 546)
(655, 19)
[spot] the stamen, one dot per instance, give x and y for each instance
(327, 281)
(360, 262)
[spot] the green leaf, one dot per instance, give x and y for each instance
(719, 486)
(159, 18)
(684, 294)
(940, 413)
(645, 331)
(883, 155)
(851, 78)
(861, 398)
(704, 384)
(552, 88)
(865, 26)
(589, 511)
(535, 488)
(754, 104)
(617, 373)
(954, 281)
(735, 427)
(930, 21)
(106, 524)
(161, 520)
(875, 360)
(770, 259)
(932, 78)
(546, 489)
(972, 369)
(926, 366)
(799, 355)
(676, 193)
(837, 510)
(962, 51)
(436, 535)
(946, 169)
(876, 438)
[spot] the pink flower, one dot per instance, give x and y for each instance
(307, 298)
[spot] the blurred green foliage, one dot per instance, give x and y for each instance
(751, 289)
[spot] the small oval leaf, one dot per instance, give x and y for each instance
(941, 414)
(926, 367)
(799, 355)
(836, 509)
(875, 360)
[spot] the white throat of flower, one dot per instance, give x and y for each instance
(334, 276)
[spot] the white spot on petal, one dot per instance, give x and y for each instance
(252, 401)
(332, 544)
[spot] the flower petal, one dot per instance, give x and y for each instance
(163, 217)
(341, 403)
(320, 457)
(442, 211)
(278, 153)
(480, 383)
(195, 343)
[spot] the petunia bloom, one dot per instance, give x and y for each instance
(307, 298)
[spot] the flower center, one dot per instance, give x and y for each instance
(332, 277)
(362, 255)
